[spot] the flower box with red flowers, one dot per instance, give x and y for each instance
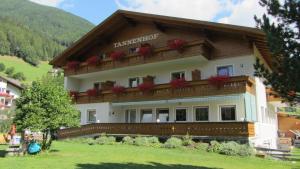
(117, 55)
(93, 61)
(218, 81)
(3, 94)
(178, 83)
(73, 65)
(144, 50)
(93, 92)
(118, 89)
(176, 44)
(146, 87)
(74, 94)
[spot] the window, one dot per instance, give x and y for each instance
(227, 113)
(181, 114)
(96, 85)
(225, 70)
(8, 91)
(130, 116)
(146, 115)
(91, 116)
(201, 113)
(178, 75)
(134, 82)
(162, 115)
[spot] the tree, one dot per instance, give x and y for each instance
(19, 76)
(45, 107)
(283, 39)
(2, 67)
(10, 71)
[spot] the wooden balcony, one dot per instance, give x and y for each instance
(223, 129)
(195, 48)
(236, 85)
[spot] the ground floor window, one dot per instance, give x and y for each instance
(181, 114)
(130, 116)
(146, 115)
(91, 116)
(228, 113)
(201, 113)
(162, 115)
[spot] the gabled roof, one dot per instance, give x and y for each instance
(13, 82)
(121, 17)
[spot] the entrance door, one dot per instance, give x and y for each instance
(130, 116)
(162, 115)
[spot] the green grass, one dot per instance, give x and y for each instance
(31, 72)
(82, 156)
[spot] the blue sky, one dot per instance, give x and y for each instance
(239, 12)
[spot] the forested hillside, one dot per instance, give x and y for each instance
(34, 32)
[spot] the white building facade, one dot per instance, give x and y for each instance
(200, 106)
(9, 91)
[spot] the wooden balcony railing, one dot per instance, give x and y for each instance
(236, 85)
(159, 54)
(232, 129)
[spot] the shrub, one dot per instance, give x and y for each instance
(214, 147)
(154, 141)
(245, 150)
(91, 141)
(202, 146)
(19, 76)
(106, 140)
(173, 142)
(2, 67)
(141, 141)
(10, 71)
(230, 148)
(127, 140)
(187, 140)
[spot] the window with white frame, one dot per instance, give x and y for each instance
(130, 116)
(225, 70)
(178, 75)
(91, 116)
(162, 115)
(146, 115)
(228, 113)
(201, 113)
(181, 114)
(134, 82)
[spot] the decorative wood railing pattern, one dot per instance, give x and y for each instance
(231, 129)
(235, 85)
(160, 54)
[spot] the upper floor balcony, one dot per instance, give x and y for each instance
(188, 89)
(162, 54)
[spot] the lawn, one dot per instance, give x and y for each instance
(81, 156)
(31, 72)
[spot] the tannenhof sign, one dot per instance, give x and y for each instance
(136, 40)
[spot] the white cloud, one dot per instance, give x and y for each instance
(227, 11)
(196, 9)
(53, 3)
(243, 13)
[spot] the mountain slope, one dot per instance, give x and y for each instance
(36, 32)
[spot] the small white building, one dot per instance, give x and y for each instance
(109, 78)
(10, 90)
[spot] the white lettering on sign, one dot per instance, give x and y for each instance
(136, 40)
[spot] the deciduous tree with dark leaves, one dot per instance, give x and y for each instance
(281, 24)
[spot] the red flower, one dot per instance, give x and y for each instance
(118, 89)
(93, 92)
(144, 50)
(73, 65)
(3, 94)
(176, 44)
(74, 94)
(117, 55)
(218, 81)
(178, 83)
(92, 61)
(146, 86)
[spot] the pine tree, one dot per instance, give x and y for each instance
(283, 39)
